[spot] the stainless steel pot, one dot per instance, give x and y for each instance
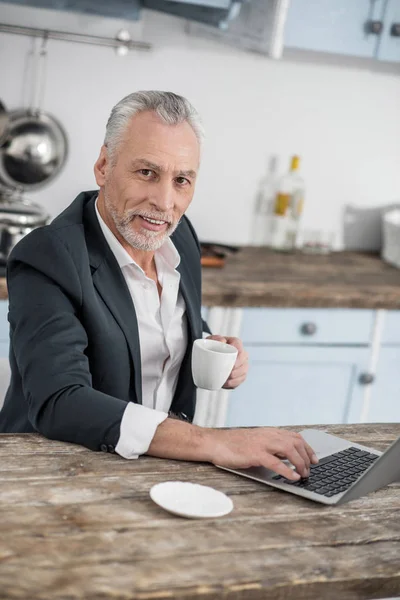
(17, 218)
(3, 122)
(33, 150)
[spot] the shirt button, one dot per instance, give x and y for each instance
(104, 448)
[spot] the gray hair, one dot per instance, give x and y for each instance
(171, 108)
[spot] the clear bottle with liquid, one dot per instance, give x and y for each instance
(264, 206)
(288, 207)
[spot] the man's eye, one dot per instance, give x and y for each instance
(146, 172)
(182, 181)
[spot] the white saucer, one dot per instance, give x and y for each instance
(191, 499)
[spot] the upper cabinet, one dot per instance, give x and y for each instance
(216, 13)
(365, 28)
(389, 42)
(351, 27)
(360, 28)
(258, 26)
(121, 9)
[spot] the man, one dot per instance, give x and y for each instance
(105, 305)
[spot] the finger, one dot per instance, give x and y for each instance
(242, 359)
(218, 338)
(233, 383)
(313, 457)
(236, 342)
(297, 460)
(273, 463)
(238, 372)
(303, 453)
(311, 453)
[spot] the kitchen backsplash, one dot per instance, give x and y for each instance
(344, 122)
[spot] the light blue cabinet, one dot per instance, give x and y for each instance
(307, 326)
(299, 385)
(385, 390)
(310, 366)
(306, 366)
(4, 331)
(389, 40)
(337, 26)
(362, 28)
(384, 404)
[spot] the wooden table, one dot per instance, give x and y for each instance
(261, 277)
(78, 524)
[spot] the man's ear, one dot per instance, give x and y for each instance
(100, 167)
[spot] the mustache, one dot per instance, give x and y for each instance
(157, 216)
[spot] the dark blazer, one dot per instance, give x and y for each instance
(74, 342)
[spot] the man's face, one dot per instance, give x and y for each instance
(150, 182)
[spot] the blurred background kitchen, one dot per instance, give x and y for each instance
(301, 105)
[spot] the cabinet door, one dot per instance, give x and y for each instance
(122, 9)
(216, 13)
(337, 26)
(4, 327)
(385, 389)
(298, 386)
(389, 44)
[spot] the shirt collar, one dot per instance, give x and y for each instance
(168, 253)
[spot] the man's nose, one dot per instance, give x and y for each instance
(163, 195)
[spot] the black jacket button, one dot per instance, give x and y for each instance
(111, 448)
(104, 448)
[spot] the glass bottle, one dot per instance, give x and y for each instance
(264, 206)
(289, 201)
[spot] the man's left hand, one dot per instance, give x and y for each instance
(241, 366)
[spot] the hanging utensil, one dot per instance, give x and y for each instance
(3, 121)
(34, 146)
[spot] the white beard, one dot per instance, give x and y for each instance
(147, 240)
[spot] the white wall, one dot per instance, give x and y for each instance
(343, 121)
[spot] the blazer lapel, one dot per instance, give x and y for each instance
(188, 289)
(112, 287)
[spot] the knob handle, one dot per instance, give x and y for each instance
(308, 328)
(366, 378)
(374, 27)
(395, 30)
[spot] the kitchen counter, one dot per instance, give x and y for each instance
(260, 277)
(3, 288)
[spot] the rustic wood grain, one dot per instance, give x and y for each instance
(80, 525)
(260, 277)
(3, 288)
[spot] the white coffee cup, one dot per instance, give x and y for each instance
(212, 363)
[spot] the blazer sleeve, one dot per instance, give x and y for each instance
(48, 342)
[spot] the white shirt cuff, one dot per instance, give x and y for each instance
(138, 426)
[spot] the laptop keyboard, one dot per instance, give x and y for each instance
(334, 473)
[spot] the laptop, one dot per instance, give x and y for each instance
(345, 470)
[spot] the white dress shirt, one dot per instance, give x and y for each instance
(163, 339)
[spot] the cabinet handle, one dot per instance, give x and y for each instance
(366, 378)
(374, 27)
(308, 328)
(395, 30)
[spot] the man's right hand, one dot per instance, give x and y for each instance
(261, 447)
